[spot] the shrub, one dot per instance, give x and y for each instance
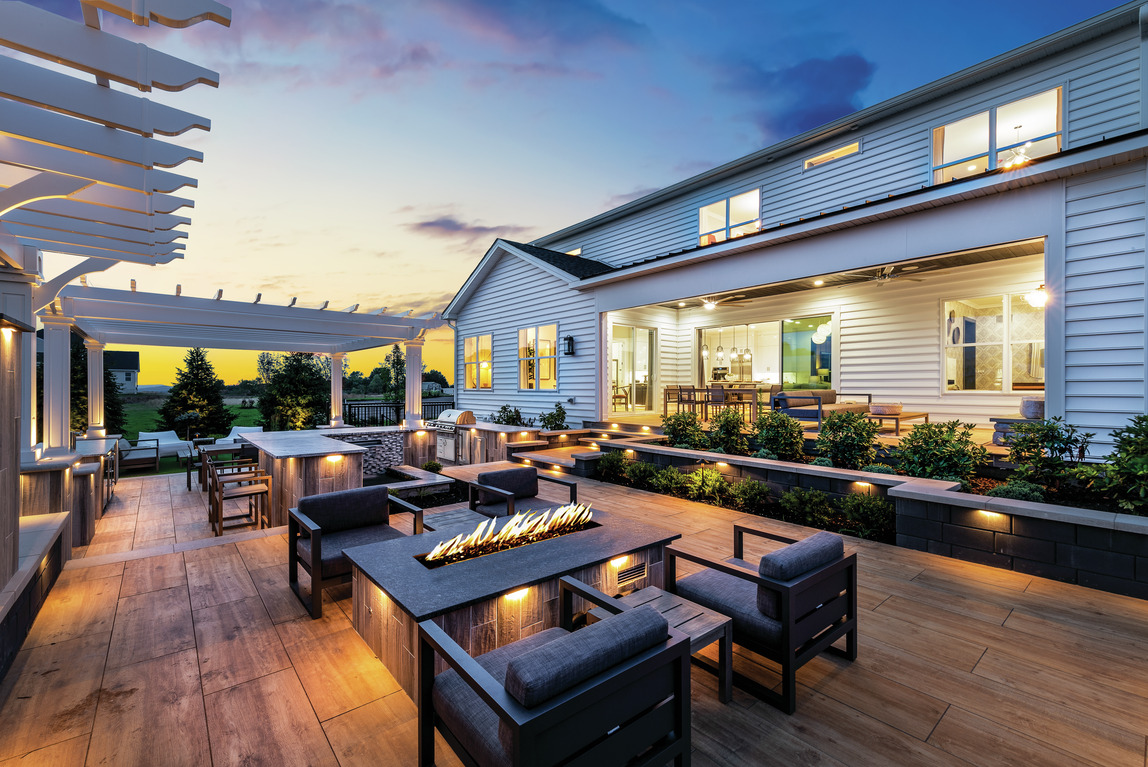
(707, 486)
(763, 453)
(434, 466)
(867, 516)
(780, 434)
(879, 468)
(685, 430)
(554, 420)
(510, 416)
(640, 474)
(822, 461)
(805, 507)
(752, 497)
(848, 440)
(933, 450)
(611, 467)
(1047, 452)
(668, 481)
(1018, 490)
(1125, 478)
(726, 428)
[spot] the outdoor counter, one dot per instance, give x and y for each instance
(303, 463)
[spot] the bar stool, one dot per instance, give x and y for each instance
(233, 481)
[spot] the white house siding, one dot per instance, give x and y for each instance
(1102, 99)
(516, 294)
(1104, 300)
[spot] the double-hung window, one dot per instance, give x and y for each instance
(538, 357)
(1006, 136)
(994, 343)
(733, 217)
(476, 362)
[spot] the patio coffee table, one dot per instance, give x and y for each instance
(703, 626)
(896, 418)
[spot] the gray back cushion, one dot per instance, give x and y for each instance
(522, 482)
(794, 560)
(536, 676)
(347, 509)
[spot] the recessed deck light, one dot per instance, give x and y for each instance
(818, 283)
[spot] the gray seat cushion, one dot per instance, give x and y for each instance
(333, 562)
(795, 560)
(467, 716)
(498, 509)
(346, 509)
(735, 598)
(522, 482)
(537, 676)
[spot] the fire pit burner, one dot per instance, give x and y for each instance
(522, 529)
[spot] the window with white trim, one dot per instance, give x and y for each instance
(476, 362)
(538, 357)
(994, 343)
(1006, 136)
(834, 154)
(733, 217)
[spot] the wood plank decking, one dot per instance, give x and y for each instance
(186, 653)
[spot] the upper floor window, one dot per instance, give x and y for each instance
(835, 154)
(476, 362)
(1007, 136)
(726, 219)
(538, 357)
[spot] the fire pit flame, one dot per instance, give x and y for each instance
(520, 530)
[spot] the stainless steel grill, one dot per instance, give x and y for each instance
(446, 425)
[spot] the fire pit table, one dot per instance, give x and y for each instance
(491, 600)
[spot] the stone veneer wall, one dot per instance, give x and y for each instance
(379, 458)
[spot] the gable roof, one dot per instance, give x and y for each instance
(562, 265)
(122, 361)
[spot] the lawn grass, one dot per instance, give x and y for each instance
(141, 412)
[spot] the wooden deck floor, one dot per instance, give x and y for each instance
(203, 656)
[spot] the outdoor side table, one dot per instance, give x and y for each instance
(703, 626)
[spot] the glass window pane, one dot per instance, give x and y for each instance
(472, 376)
(547, 340)
(526, 374)
(974, 368)
(807, 352)
(710, 239)
(468, 345)
(745, 207)
(974, 321)
(1028, 118)
(766, 350)
(1028, 366)
(1029, 151)
(965, 138)
(1026, 320)
(711, 217)
(526, 343)
(749, 228)
(484, 377)
(484, 347)
(963, 170)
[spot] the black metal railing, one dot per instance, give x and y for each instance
(388, 413)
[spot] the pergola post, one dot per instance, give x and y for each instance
(95, 388)
(57, 383)
(414, 414)
(337, 388)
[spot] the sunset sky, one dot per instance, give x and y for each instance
(369, 152)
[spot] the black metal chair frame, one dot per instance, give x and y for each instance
(781, 402)
(816, 609)
(299, 525)
(138, 462)
(475, 487)
(564, 730)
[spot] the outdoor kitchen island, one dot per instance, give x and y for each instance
(492, 600)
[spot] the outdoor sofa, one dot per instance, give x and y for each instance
(168, 442)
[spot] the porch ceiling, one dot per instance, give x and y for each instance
(865, 273)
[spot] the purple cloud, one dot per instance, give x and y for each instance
(533, 25)
(797, 98)
(451, 227)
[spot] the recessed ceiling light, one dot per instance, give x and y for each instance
(819, 283)
(909, 268)
(681, 303)
(971, 167)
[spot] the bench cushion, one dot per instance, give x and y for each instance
(537, 676)
(345, 509)
(522, 482)
(333, 562)
(795, 560)
(466, 715)
(735, 598)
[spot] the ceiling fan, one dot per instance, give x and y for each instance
(887, 274)
(709, 303)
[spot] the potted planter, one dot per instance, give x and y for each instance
(885, 408)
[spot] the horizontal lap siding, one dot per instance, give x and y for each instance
(1104, 300)
(673, 356)
(890, 335)
(1101, 80)
(516, 295)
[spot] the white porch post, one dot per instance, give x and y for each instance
(95, 388)
(337, 388)
(29, 418)
(57, 384)
(414, 349)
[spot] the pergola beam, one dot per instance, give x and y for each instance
(27, 154)
(169, 13)
(77, 210)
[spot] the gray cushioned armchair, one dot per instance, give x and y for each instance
(614, 692)
(801, 600)
(323, 525)
(500, 493)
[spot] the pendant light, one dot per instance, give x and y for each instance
(746, 354)
(720, 350)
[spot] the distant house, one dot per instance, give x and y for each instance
(125, 368)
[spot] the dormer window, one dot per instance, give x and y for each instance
(734, 217)
(1007, 136)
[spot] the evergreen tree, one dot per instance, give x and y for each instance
(113, 398)
(434, 376)
(115, 417)
(298, 395)
(380, 380)
(195, 403)
(397, 364)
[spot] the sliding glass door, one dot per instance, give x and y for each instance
(797, 353)
(631, 369)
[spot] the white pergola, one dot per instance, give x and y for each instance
(104, 316)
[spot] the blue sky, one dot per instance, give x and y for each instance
(370, 152)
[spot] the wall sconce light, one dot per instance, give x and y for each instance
(420, 433)
(11, 324)
(334, 458)
(568, 346)
(620, 560)
(1037, 297)
(518, 596)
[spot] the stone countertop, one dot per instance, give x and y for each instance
(299, 444)
(426, 593)
(496, 427)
